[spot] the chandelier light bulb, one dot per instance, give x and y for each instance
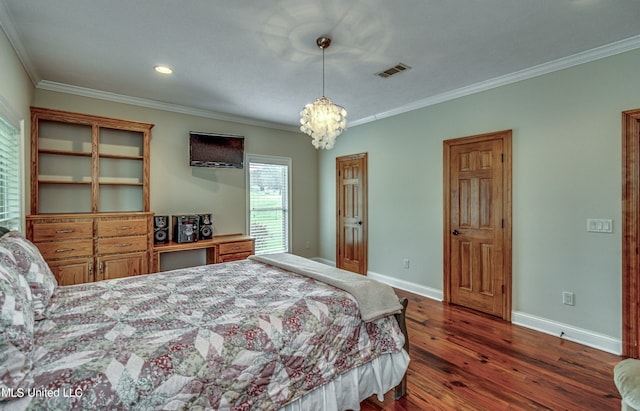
(324, 121)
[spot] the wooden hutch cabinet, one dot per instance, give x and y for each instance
(90, 213)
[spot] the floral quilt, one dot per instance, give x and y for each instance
(238, 336)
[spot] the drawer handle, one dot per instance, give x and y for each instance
(64, 250)
(236, 247)
(123, 228)
(124, 245)
(65, 231)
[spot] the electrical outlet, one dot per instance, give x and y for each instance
(406, 263)
(567, 298)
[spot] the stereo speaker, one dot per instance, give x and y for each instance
(160, 229)
(185, 228)
(206, 226)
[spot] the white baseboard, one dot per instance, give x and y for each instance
(544, 325)
(432, 293)
(422, 290)
(568, 332)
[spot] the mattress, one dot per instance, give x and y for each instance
(240, 335)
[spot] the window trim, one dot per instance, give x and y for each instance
(284, 161)
(11, 117)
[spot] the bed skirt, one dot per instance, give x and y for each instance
(348, 390)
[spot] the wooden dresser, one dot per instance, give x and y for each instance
(90, 214)
(82, 248)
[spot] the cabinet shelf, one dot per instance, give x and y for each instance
(121, 156)
(120, 183)
(88, 154)
(65, 152)
(44, 181)
(84, 163)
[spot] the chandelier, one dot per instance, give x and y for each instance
(323, 120)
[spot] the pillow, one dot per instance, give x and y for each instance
(32, 266)
(16, 323)
(626, 376)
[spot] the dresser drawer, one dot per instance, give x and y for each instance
(117, 228)
(236, 247)
(115, 245)
(225, 258)
(62, 230)
(54, 250)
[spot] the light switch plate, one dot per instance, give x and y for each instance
(599, 225)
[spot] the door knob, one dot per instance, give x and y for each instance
(455, 232)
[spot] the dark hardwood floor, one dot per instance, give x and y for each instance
(464, 360)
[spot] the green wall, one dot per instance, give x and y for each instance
(566, 168)
(16, 93)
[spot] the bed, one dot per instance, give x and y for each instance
(276, 332)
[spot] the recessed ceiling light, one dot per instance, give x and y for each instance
(163, 69)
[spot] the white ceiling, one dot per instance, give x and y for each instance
(257, 59)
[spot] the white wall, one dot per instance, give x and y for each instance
(177, 188)
(566, 168)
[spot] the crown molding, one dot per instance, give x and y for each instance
(12, 37)
(158, 105)
(597, 53)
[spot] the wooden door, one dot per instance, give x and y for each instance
(71, 272)
(122, 265)
(351, 210)
(477, 227)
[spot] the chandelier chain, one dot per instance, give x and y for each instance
(323, 71)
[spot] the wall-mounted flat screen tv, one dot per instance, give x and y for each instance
(215, 150)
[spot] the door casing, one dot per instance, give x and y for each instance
(352, 230)
(630, 233)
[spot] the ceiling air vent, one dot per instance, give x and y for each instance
(393, 70)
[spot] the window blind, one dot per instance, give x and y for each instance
(10, 213)
(269, 204)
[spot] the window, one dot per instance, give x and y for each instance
(10, 154)
(268, 184)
